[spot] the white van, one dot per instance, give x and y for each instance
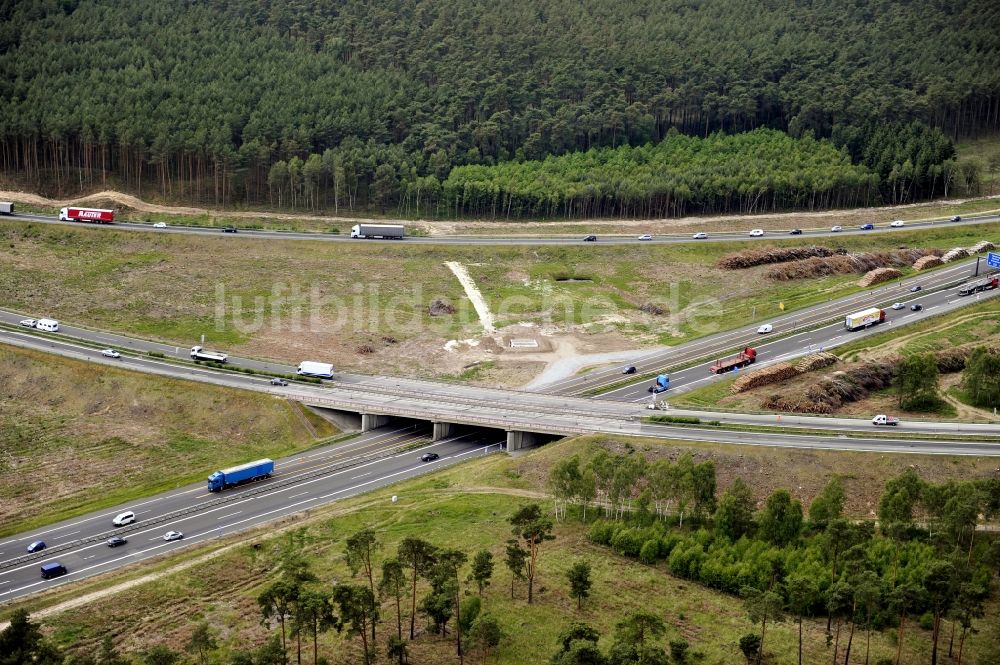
(319, 370)
(48, 325)
(121, 519)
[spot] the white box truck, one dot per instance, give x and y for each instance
(201, 353)
(319, 370)
(864, 318)
(384, 231)
(6, 208)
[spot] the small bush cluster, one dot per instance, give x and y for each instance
(749, 258)
(847, 264)
(830, 393)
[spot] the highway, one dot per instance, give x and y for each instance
(810, 339)
(307, 480)
(516, 240)
(499, 409)
(386, 455)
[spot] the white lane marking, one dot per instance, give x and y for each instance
(295, 496)
(230, 515)
(71, 533)
(361, 475)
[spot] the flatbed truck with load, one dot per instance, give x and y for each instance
(201, 353)
(747, 356)
(981, 285)
(864, 318)
(237, 475)
(384, 231)
(883, 419)
(97, 215)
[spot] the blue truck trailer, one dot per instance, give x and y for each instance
(237, 475)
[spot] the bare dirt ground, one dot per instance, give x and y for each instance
(788, 220)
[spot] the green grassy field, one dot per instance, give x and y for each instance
(364, 306)
(467, 508)
(76, 437)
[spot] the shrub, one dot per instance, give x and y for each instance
(650, 551)
(628, 542)
(601, 532)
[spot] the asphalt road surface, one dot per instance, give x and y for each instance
(516, 240)
(491, 407)
(307, 480)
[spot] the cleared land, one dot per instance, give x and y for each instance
(467, 507)
(976, 324)
(74, 437)
(364, 306)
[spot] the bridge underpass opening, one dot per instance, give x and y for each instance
(345, 421)
(471, 433)
(519, 439)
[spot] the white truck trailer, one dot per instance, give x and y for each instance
(384, 231)
(318, 370)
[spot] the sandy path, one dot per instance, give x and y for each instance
(567, 362)
(474, 294)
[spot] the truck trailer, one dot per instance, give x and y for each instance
(87, 215)
(747, 356)
(384, 231)
(201, 353)
(6, 208)
(864, 318)
(237, 475)
(319, 370)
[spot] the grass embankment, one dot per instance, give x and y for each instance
(976, 323)
(75, 437)
(466, 508)
(364, 306)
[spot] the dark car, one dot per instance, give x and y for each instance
(54, 569)
(278, 382)
(229, 229)
(429, 457)
(956, 218)
(590, 238)
(116, 541)
(36, 546)
(628, 370)
(795, 232)
(916, 308)
(916, 288)
(866, 227)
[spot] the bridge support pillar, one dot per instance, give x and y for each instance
(370, 421)
(516, 440)
(442, 431)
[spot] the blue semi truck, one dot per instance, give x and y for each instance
(237, 475)
(662, 384)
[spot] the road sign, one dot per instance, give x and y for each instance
(993, 260)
